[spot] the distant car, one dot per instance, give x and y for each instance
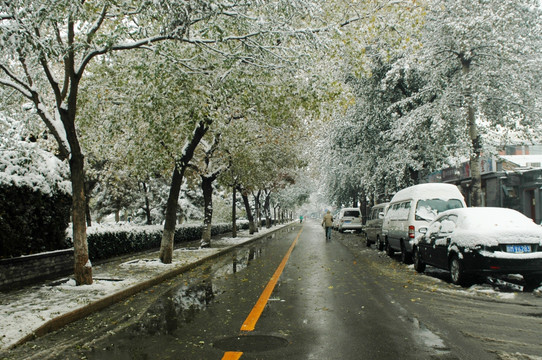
(349, 219)
(475, 241)
(373, 226)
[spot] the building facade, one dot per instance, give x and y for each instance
(506, 182)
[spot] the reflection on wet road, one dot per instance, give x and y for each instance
(180, 305)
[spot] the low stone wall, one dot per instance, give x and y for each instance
(30, 269)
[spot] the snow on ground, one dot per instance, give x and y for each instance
(505, 289)
(23, 311)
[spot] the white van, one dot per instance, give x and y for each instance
(416, 207)
(349, 219)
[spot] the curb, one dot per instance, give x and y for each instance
(79, 313)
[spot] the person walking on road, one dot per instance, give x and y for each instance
(327, 223)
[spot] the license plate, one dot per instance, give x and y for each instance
(347, 221)
(518, 249)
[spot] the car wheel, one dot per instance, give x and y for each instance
(379, 244)
(389, 250)
(419, 265)
(456, 271)
(406, 257)
(532, 282)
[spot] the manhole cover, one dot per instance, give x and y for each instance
(250, 343)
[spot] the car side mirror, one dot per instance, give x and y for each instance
(381, 215)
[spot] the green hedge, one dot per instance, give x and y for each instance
(32, 222)
(104, 244)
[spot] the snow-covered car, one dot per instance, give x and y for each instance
(476, 241)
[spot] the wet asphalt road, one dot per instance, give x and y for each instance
(334, 300)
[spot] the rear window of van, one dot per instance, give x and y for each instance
(352, 213)
(429, 209)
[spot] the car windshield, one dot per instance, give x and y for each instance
(429, 209)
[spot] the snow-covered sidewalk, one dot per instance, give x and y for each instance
(24, 311)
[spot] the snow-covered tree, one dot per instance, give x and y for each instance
(484, 61)
(23, 163)
(356, 121)
(46, 48)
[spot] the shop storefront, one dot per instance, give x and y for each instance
(515, 188)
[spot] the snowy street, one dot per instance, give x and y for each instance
(333, 300)
(131, 129)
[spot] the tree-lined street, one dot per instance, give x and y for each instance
(143, 124)
(334, 299)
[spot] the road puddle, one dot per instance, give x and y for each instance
(421, 333)
(429, 338)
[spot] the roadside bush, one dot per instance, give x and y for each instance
(31, 221)
(104, 243)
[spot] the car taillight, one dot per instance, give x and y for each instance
(411, 232)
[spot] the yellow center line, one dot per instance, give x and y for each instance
(252, 318)
(257, 310)
(232, 355)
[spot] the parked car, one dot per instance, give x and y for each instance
(349, 219)
(336, 221)
(373, 226)
(415, 207)
(473, 241)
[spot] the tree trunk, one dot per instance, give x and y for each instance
(234, 212)
(257, 212)
(475, 171)
(147, 208)
(207, 187)
(87, 211)
(251, 227)
(89, 187)
(267, 210)
(166, 246)
(82, 265)
(363, 202)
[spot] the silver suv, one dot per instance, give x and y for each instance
(373, 227)
(349, 219)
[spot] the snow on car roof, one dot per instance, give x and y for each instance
(429, 190)
(491, 218)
